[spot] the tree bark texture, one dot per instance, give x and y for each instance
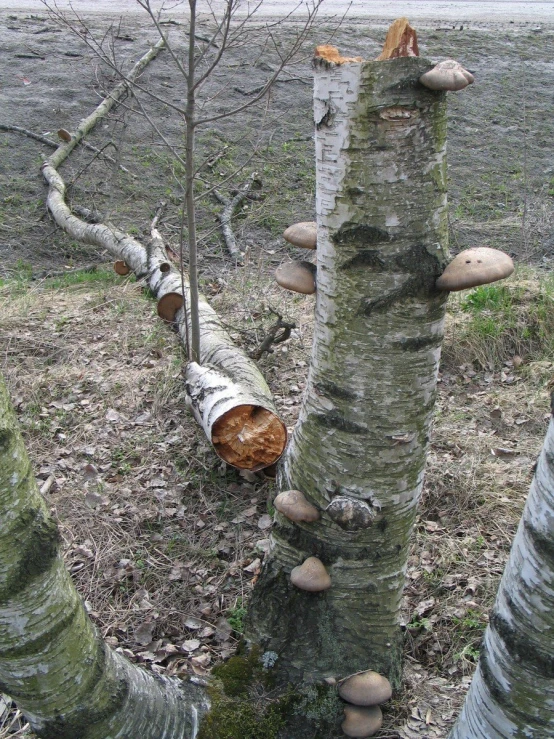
(512, 693)
(66, 681)
(358, 451)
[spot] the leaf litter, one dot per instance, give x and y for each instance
(163, 542)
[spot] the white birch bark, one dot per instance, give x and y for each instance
(230, 397)
(53, 664)
(512, 693)
(362, 435)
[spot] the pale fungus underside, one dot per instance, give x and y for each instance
(362, 722)
(303, 234)
(447, 75)
(311, 576)
(299, 277)
(474, 267)
(365, 689)
(293, 505)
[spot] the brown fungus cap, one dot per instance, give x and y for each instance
(311, 576)
(303, 234)
(474, 267)
(365, 689)
(297, 276)
(362, 722)
(447, 75)
(293, 505)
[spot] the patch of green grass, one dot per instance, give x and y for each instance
(236, 617)
(493, 323)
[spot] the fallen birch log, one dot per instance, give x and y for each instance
(227, 392)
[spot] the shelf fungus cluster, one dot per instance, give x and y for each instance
(364, 692)
(299, 276)
(474, 267)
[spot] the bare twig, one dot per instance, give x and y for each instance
(273, 336)
(227, 213)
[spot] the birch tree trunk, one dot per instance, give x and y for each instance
(358, 451)
(66, 681)
(512, 693)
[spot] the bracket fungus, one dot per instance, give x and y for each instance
(365, 689)
(293, 505)
(311, 576)
(121, 267)
(447, 75)
(350, 514)
(303, 234)
(362, 722)
(297, 276)
(474, 267)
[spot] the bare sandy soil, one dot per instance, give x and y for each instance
(500, 152)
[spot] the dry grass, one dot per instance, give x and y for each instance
(164, 542)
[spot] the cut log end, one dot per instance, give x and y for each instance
(168, 306)
(401, 41)
(249, 437)
(121, 267)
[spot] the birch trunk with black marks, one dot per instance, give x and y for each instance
(512, 693)
(358, 451)
(53, 664)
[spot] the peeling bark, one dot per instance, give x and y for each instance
(362, 435)
(512, 692)
(53, 664)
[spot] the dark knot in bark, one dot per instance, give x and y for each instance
(350, 514)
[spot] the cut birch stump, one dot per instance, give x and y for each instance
(359, 448)
(228, 394)
(53, 664)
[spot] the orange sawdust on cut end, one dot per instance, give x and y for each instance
(249, 437)
(331, 54)
(401, 41)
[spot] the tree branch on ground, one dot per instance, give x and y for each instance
(226, 215)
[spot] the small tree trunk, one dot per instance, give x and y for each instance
(512, 692)
(66, 681)
(362, 436)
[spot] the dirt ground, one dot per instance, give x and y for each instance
(165, 543)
